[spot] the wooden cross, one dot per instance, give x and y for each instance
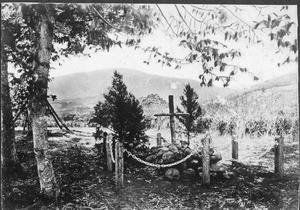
(172, 115)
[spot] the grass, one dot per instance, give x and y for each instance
(85, 184)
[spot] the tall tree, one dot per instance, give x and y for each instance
(8, 149)
(122, 112)
(45, 32)
(9, 159)
(191, 106)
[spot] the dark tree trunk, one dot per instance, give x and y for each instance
(8, 149)
(48, 184)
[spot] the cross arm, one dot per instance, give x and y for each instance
(171, 114)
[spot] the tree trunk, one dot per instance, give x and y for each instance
(48, 184)
(8, 149)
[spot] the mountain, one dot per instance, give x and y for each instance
(287, 81)
(269, 97)
(84, 90)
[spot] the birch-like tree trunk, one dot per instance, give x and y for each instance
(8, 149)
(48, 184)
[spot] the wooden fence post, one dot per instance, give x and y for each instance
(108, 152)
(158, 139)
(279, 156)
(119, 166)
(235, 148)
(206, 160)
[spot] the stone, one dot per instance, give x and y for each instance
(150, 158)
(217, 167)
(172, 174)
(168, 157)
(173, 148)
(178, 146)
(184, 144)
(162, 151)
(187, 151)
(189, 174)
(215, 158)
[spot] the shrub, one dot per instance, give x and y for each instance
(122, 112)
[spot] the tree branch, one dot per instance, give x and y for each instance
(105, 21)
(207, 10)
(182, 18)
(166, 19)
(200, 21)
(240, 20)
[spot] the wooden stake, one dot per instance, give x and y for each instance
(119, 166)
(206, 160)
(158, 139)
(235, 148)
(108, 154)
(279, 157)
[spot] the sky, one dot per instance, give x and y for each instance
(260, 60)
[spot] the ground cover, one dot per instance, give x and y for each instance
(85, 184)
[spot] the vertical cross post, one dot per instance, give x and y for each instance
(172, 120)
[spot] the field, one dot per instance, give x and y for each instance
(85, 184)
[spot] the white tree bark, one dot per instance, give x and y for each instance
(47, 179)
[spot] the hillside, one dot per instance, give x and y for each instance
(84, 90)
(78, 93)
(268, 98)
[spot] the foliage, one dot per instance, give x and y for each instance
(191, 106)
(76, 30)
(208, 31)
(204, 124)
(122, 112)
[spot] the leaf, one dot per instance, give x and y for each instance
(232, 73)
(215, 63)
(183, 42)
(226, 35)
(255, 78)
(209, 84)
(222, 68)
(293, 48)
(256, 25)
(288, 26)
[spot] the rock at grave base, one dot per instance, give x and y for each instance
(189, 174)
(173, 148)
(184, 144)
(187, 151)
(217, 167)
(172, 174)
(168, 157)
(215, 158)
(162, 151)
(150, 158)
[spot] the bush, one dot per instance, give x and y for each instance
(122, 112)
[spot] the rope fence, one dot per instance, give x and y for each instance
(160, 165)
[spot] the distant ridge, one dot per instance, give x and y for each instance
(289, 81)
(94, 84)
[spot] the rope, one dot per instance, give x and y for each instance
(161, 165)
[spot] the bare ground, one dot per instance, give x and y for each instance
(85, 184)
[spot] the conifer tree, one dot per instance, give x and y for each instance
(191, 106)
(122, 112)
